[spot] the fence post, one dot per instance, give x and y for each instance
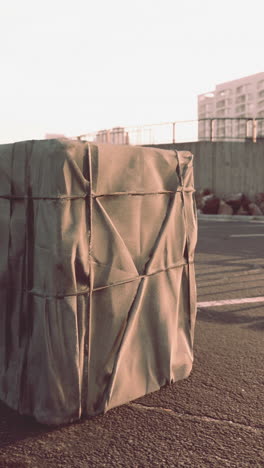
(248, 128)
(212, 129)
(173, 132)
(254, 130)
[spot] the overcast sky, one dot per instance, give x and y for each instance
(75, 66)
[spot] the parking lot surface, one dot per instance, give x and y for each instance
(215, 418)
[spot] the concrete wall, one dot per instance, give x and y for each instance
(226, 167)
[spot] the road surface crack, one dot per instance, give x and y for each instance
(193, 417)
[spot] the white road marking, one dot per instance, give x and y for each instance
(244, 300)
(246, 235)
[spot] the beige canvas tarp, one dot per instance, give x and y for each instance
(97, 286)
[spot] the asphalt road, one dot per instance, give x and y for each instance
(215, 418)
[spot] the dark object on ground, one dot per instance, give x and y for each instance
(211, 204)
(224, 208)
(234, 204)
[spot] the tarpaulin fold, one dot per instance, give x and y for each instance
(97, 283)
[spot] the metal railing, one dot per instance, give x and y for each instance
(231, 129)
(206, 129)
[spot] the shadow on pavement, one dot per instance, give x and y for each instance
(231, 290)
(219, 316)
(14, 427)
(227, 282)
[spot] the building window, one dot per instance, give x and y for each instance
(241, 99)
(240, 89)
(224, 92)
(261, 84)
(223, 112)
(241, 108)
(220, 103)
(249, 108)
(243, 88)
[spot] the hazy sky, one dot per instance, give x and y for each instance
(76, 66)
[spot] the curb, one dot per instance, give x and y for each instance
(230, 218)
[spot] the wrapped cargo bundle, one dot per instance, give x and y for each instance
(97, 285)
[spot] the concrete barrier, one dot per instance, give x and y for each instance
(226, 167)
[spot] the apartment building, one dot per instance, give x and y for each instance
(241, 100)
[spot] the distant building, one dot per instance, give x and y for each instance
(51, 136)
(116, 135)
(240, 99)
